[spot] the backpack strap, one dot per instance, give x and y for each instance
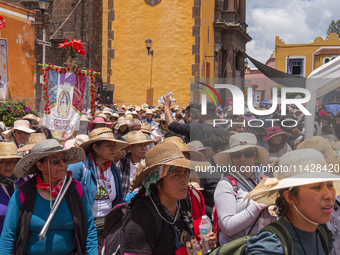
(321, 231)
(233, 183)
(282, 233)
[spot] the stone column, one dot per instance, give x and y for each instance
(243, 10)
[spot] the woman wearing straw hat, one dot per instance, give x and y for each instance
(163, 226)
(8, 182)
(99, 176)
(121, 128)
(150, 119)
(159, 133)
(72, 229)
(234, 218)
(19, 134)
(304, 198)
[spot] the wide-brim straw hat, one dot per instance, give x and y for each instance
(295, 171)
(146, 128)
(161, 118)
(163, 154)
(329, 149)
(83, 117)
(198, 146)
(102, 134)
(130, 107)
(135, 113)
(104, 117)
(137, 137)
(77, 141)
(99, 120)
(33, 140)
(120, 122)
(128, 117)
(115, 115)
(240, 142)
(156, 109)
(107, 110)
(30, 117)
(121, 112)
(26, 166)
(148, 111)
(8, 151)
(22, 125)
(189, 154)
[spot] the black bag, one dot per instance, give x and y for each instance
(114, 225)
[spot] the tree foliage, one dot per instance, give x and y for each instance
(334, 27)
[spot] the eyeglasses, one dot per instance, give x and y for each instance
(57, 160)
(19, 132)
(246, 154)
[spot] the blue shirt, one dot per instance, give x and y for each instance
(60, 237)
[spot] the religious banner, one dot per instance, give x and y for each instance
(64, 96)
(3, 69)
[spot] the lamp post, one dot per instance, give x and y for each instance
(148, 44)
(217, 48)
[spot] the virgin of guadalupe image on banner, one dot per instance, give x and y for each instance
(66, 97)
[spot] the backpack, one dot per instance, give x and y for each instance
(238, 246)
(114, 226)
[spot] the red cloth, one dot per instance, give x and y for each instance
(197, 208)
(54, 189)
(322, 113)
(102, 168)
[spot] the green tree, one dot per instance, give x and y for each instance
(334, 27)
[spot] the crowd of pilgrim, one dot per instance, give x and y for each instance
(148, 158)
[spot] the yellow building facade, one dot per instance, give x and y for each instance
(182, 34)
(301, 59)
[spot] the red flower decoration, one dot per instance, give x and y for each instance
(255, 86)
(75, 46)
(2, 22)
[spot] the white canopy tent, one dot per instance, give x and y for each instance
(320, 82)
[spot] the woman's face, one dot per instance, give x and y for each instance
(58, 167)
(244, 160)
(316, 201)
(240, 128)
(175, 184)
(119, 154)
(164, 125)
(276, 139)
(105, 151)
(122, 128)
(7, 167)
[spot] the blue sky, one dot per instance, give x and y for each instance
(295, 21)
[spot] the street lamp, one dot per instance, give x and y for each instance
(42, 5)
(148, 44)
(217, 47)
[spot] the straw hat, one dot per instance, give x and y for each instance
(329, 149)
(135, 113)
(161, 118)
(145, 128)
(156, 109)
(83, 117)
(22, 125)
(123, 106)
(130, 107)
(137, 137)
(76, 142)
(102, 134)
(145, 106)
(148, 111)
(104, 117)
(107, 110)
(99, 120)
(240, 142)
(26, 165)
(30, 117)
(163, 154)
(198, 146)
(8, 150)
(128, 117)
(115, 115)
(189, 154)
(33, 140)
(120, 122)
(301, 160)
(121, 112)
(196, 185)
